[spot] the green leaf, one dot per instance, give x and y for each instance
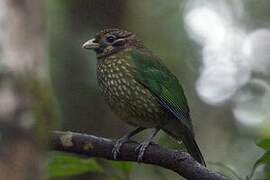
(265, 159)
(264, 143)
(64, 164)
(125, 167)
(268, 175)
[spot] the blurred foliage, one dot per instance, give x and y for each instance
(224, 170)
(264, 159)
(44, 106)
(124, 170)
(264, 143)
(64, 164)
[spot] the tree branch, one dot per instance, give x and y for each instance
(93, 146)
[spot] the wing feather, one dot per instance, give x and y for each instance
(155, 76)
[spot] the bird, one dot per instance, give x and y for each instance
(141, 90)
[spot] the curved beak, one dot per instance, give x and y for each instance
(90, 44)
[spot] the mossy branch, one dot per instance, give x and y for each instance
(93, 146)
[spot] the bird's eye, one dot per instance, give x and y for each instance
(110, 39)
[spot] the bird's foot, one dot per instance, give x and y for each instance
(141, 149)
(119, 143)
(124, 139)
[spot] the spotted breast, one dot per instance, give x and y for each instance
(131, 101)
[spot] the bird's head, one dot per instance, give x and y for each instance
(110, 41)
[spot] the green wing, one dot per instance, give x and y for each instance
(163, 84)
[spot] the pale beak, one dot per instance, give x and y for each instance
(90, 44)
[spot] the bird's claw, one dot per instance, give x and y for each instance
(141, 150)
(119, 143)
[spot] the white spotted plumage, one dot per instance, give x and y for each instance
(127, 97)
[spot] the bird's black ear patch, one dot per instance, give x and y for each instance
(119, 42)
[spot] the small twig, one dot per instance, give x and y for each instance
(93, 146)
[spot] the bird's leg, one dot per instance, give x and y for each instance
(124, 139)
(142, 147)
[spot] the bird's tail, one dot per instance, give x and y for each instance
(193, 148)
(188, 140)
